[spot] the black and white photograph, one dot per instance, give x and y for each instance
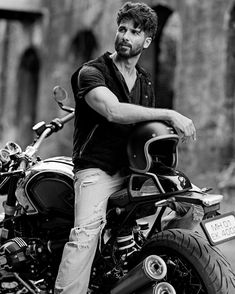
(117, 146)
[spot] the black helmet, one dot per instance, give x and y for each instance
(150, 144)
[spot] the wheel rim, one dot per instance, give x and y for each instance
(182, 275)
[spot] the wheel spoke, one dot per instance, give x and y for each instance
(182, 276)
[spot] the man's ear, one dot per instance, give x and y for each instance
(147, 42)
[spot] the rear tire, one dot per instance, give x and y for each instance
(194, 266)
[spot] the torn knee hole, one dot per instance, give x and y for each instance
(90, 227)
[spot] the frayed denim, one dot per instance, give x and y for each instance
(92, 190)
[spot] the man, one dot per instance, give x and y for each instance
(112, 93)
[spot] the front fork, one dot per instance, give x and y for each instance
(9, 209)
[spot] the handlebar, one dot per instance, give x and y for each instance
(43, 131)
(57, 124)
(49, 129)
(18, 173)
(67, 118)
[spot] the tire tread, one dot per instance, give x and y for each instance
(211, 264)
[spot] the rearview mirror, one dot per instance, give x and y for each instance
(60, 94)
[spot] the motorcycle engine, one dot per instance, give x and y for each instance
(13, 254)
(25, 265)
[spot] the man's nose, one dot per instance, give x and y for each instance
(126, 35)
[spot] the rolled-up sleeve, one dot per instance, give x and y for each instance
(89, 78)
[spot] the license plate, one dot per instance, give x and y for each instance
(220, 228)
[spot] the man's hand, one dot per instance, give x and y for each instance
(184, 125)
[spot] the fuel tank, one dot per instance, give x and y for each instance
(48, 188)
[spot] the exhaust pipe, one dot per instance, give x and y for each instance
(158, 288)
(165, 288)
(152, 268)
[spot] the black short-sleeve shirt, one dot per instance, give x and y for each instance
(96, 141)
(90, 78)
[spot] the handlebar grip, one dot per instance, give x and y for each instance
(57, 123)
(51, 128)
(67, 118)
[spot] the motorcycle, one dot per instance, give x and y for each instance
(139, 251)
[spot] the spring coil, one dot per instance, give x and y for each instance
(126, 244)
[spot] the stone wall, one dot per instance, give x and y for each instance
(199, 82)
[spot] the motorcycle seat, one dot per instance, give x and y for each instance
(119, 198)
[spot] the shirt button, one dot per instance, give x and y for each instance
(149, 83)
(146, 97)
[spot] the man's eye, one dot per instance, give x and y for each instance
(121, 29)
(136, 33)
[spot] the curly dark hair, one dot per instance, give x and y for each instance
(143, 16)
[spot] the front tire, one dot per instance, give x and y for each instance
(193, 266)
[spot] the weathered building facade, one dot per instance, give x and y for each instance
(192, 62)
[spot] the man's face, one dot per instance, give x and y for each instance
(130, 40)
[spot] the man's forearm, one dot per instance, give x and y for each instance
(106, 103)
(125, 113)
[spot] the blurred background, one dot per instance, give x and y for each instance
(192, 62)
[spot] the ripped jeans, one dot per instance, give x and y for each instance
(92, 189)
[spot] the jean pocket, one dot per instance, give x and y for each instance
(89, 175)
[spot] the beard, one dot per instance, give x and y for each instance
(125, 50)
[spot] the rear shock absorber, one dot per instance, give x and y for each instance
(144, 226)
(126, 244)
(140, 232)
